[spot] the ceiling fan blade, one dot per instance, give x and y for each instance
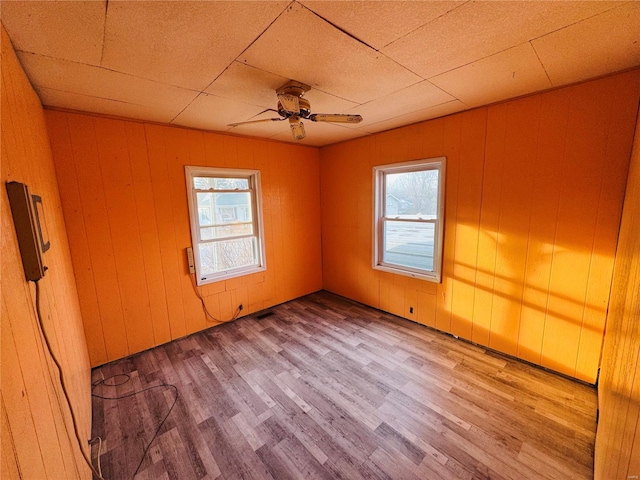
(256, 121)
(290, 103)
(335, 117)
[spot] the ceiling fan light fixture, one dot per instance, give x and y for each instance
(297, 128)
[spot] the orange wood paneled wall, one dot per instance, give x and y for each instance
(37, 432)
(124, 198)
(534, 194)
(617, 453)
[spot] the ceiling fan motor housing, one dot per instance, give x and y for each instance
(293, 87)
(304, 109)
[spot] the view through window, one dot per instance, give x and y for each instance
(224, 206)
(408, 218)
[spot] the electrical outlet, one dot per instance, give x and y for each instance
(190, 261)
(410, 309)
(240, 307)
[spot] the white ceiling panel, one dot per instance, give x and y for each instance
(417, 116)
(416, 97)
(210, 112)
(380, 23)
(74, 101)
(514, 72)
(479, 29)
(90, 81)
(612, 40)
(68, 30)
(182, 43)
(205, 64)
(247, 84)
(301, 46)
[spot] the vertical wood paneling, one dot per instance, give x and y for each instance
(74, 223)
(533, 202)
(143, 191)
(519, 155)
(489, 220)
(577, 209)
(452, 147)
(177, 156)
(611, 194)
(617, 452)
(98, 233)
(122, 218)
(37, 434)
(161, 182)
(467, 222)
(542, 223)
(133, 225)
(9, 468)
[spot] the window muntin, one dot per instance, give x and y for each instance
(408, 218)
(226, 222)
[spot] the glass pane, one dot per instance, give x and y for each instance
(220, 183)
(227, 254)
(223, 208)
(232, 230)
(409, 244)
(412, 194)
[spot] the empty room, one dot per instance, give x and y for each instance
(320, 240)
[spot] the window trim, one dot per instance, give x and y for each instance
(255, 185)
(379, 205)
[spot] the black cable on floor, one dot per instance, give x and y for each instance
(127, 377)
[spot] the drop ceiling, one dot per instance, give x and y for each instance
(206, 64)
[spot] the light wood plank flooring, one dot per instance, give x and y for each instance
(327, 388)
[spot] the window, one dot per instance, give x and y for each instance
(408, 218)
(226, 222)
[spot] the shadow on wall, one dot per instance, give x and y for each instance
(534, 191)
(547, 307)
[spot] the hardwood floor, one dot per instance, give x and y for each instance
(327, 388)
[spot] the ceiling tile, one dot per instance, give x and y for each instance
(301, 46)
(69, 30)
(479, 29)
(84, 103)
(182, 43)
(92, 81)
(508, 74)
(599, 45)
(364, 57)
(416, 97)
(417, 116)
(248, 85)
(210, 112)
(380, 23)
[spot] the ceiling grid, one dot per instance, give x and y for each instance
(206, 65)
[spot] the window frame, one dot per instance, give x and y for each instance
(253, 177)
(379, 217)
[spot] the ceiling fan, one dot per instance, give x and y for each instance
(292, 107)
